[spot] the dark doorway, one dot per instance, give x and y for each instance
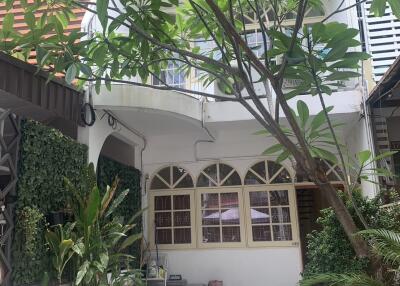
(309, 204)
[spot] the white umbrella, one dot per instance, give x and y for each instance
(233, 213)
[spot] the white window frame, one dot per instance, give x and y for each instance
(199, 224)
(151, 218)
(293, 215)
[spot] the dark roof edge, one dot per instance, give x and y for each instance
(34, 69)
(389, 75)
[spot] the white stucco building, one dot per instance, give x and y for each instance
(223, 211)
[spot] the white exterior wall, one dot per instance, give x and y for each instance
(278, 266)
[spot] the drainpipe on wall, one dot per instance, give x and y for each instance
(369, 131)
(211, 139)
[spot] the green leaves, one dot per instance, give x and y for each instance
(303, 111)
(378, 7)
(71, 73)
(102, 12)
(8, 22)
(364, 156)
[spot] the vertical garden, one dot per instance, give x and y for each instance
(46, 158)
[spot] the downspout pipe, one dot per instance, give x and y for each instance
(211, 137)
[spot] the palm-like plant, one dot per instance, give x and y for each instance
(100, 238)
(385, 244)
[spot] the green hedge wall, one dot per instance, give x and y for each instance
(107, 170)
(46, 157)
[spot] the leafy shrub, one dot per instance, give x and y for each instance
(329, 250)
(46, 157)
(129, 179)
(29, 247)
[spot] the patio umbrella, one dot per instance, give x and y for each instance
(233, 214)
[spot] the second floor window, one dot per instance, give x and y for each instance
(171, 75)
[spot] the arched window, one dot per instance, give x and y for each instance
(171, 209)
(171, 177)
(267, 172)
(218, 175)
(270, 205)
(332, 171)
(220, 207)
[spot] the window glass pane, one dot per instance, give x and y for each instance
(279, 198)
(165, 174)
(282, 232)
(163, 236)
(258, 199)
(260, 215)
(230, 216)
(157, 184)
(162, 203)
(209, 201)
(186, 182)
(163, 219)
(261, 233)
(282, 177)
(229, 200)
(181, 218)
(273, 168)
(259, 168)
(224, 170)
(233, 180)
(210, 217)
(252, 179)
(178, 173)
(211, 234)
(182, 235)
(203, 181)
(231, 234)
(280, 215)
(182, 202)
(211, 171)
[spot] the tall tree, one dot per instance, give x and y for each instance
(138, 38)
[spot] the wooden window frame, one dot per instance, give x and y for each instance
(293, 215)
(199, 225)
(151, 218)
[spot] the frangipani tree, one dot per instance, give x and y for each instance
(321, 56)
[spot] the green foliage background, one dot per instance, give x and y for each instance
(46, 157)
(107, 170)
(329, 250)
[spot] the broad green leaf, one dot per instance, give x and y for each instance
(342, 75)
(71, 73)
(100, 55)
(303, 111)
(364, 156)
(130, 240)
(395, 5)
(82, 272)
(273, 149)
(283, 156)
(378, 7)
(102, 12)
(30, 19)
(8, 22)
(383, 156)
(261, 132)
(320, 118)
(117, 202)
(324, 154)
(92, 207)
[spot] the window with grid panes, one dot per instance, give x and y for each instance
(270, 205)
(220, 208)
(172, 208)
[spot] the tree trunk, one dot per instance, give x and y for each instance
(346, 220)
